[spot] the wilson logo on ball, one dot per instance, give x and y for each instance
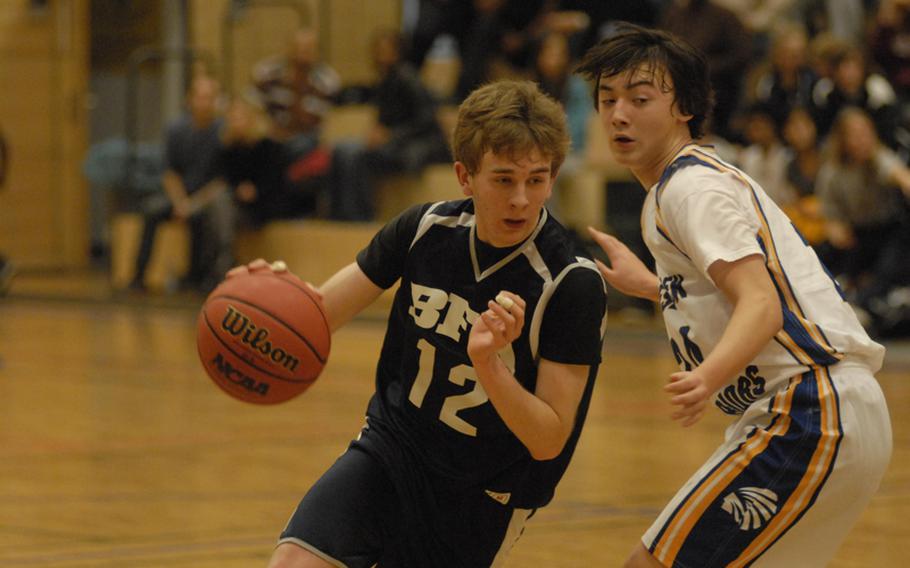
(257, 338)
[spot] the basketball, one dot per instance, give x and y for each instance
(263, 337)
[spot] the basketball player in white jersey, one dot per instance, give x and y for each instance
(758, 326)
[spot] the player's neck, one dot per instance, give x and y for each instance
(649, 175)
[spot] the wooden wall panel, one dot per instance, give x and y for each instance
(345, 25)
(43, 70)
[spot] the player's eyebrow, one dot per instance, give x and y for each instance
(629, 86)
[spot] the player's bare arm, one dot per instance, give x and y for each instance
(755, 320)
(627, 272)
(542, 420)
(344, 295)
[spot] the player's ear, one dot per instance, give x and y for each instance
(464, 178)
(680, 115)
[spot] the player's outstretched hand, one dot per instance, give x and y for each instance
(262, 265)
(689, 393)
(627, 273)
(497, 327)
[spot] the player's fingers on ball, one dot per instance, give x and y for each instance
(258, 265)
(237, 271)
(279, 266)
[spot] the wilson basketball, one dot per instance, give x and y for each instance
(263, 337)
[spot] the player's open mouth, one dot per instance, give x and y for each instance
(622, 139)
(515, 223)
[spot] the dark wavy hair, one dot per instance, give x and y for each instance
(633, 47)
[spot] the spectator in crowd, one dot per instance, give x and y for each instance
(890, 43)
(434, 18)
(405, 137)
(860, 187)
(765, 158)
(803, 163)
(842, 19)
(851, 84)
(552, 71)
(7, 270)
(784, 79)
(257, 170)
(297, 91)
(195, 191)
(488, 37)
(727, 44)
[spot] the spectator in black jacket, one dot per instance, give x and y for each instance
(405, 137)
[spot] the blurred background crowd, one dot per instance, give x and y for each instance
(813, 102)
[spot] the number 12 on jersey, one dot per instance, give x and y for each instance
(459, 375)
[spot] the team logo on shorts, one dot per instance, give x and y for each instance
(501, 498)
(751, 507)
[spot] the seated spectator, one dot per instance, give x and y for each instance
(785, 80)
(804, 161)
(405, 138)
(297, 90)
(258, 172)
(851, 84)
(890, 43)
(552, 71)
(764, 157)
(727, 45)
(195, 192)
(859, 187)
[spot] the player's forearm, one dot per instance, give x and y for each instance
(754, 322)
(346, 294)
(534, 422)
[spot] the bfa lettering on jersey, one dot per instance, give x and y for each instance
(427, 307)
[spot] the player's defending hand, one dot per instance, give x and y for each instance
(688, 392)
(496, 327)
(261, 265)
(627, 273)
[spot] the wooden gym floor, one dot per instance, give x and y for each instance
(116, 450)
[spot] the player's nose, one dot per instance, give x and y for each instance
(619, 113)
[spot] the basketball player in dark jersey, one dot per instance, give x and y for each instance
(479, 404)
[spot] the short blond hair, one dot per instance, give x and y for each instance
(512, 118)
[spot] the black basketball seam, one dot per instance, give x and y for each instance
(276, 318)
(306, 292)
(215, 334)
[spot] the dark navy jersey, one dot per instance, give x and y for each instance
(428, 400)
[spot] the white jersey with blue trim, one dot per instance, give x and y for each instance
(703, 210)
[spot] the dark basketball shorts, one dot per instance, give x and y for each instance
(356, 516)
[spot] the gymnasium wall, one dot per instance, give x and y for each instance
(45, 65)
(43, 207)
(264, 30)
